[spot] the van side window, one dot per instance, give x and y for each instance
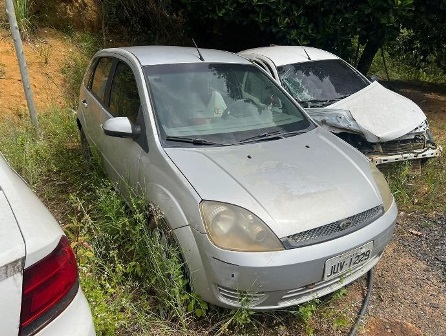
(124, 97)
(100, 77)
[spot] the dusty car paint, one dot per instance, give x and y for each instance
(286, 186)
(290, 182)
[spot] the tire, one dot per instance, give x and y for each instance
(172, 248)
(85, 148)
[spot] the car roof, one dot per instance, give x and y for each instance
(153, 55)
(282, 55)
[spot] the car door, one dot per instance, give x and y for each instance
(93, 98)
(120, 98)
(123, 154)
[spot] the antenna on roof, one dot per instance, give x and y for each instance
(198, 50)
(307, 55)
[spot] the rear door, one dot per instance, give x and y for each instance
(12, 256)
(94, 97)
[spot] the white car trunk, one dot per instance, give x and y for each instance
(382, 115)
(12, 255)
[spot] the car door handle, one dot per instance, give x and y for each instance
(84, 102)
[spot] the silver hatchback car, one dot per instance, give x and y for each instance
(266, 206)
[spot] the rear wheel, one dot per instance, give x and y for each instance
(85, 148)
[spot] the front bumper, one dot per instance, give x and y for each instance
(271, 280)
(378, 159)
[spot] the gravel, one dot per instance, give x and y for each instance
(429, 241)
(410, 280)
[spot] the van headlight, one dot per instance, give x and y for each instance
(383, 187)
(233, 228)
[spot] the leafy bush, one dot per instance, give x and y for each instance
(142, 22)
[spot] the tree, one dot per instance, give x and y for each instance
(332, 25)
(423, 38)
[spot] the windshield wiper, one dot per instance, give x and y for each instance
(320, 102)
(264, 136)
(293, 133)
(194, 141)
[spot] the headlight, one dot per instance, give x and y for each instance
(383, 187)
(233, 228)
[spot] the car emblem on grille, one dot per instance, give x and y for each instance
(345, 224)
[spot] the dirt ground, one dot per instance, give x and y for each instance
(409, 296)
(45, 57)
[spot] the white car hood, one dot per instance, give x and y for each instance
(382, 114)
(292, 184)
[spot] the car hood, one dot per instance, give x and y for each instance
(292, 184)
(382, 114)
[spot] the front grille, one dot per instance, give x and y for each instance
(403, 146)
(238, 298)
(333, 230)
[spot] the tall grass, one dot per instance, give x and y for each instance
(399, 69)
(134, 280)
(130, 277)
(76, 65)
(423, 193)
(23, 16)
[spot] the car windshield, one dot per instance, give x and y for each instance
(320, 83)
(198, 104)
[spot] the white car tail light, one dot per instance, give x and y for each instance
(48, 288)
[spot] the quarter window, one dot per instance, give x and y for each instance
(100, 77)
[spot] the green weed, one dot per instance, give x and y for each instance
(23, 16)
(305, 313)
(423, 192)
(399, 68)
(134, 277)
(130, 276)
(44, 52)
(76, 65)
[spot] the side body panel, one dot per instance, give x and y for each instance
(12, 253)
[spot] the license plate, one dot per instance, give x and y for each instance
(346, 261)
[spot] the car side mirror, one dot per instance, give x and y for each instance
(120, 127)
